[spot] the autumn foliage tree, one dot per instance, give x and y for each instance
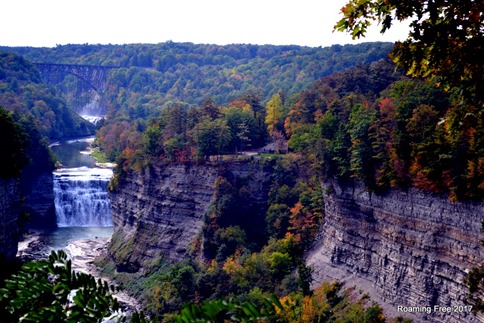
(274, 114)
(445, 42)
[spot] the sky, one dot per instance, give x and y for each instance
(47, 23)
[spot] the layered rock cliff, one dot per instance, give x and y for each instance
(9, 218)
(160, 212)
(38, 191)
(413, 249)
(404, 248)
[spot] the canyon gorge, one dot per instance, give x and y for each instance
(407, 248)
(230, 183)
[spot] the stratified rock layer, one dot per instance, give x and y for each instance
(413, 249)
(9, 218)
(404, 248)
(158, 213)
(38, 193)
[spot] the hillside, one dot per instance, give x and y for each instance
(153, 74)
(23, 92)
(195, 221)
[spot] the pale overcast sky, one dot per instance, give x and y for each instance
(279, 22)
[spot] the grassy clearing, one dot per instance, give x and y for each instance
(99, 156)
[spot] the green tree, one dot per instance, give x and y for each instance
(175, 148)
(361, 153)
(49, 291)
(277, 220)
(445, 42)
(274, 114)
(12, 146)
(175, 119)
(305, 278)
(210, 109)
(212, 137)
(382, 133)
(232, 238)
(242, 126)
(152, 141)
(431, 161)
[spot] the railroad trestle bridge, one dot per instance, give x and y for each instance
(93, 78)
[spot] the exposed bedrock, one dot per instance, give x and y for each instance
(38, 192)
(160, 212)
(404, 248)
(413, 249)
(9, 218)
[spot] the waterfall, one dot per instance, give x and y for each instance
(81, 197)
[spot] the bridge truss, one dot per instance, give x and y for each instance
(92, 85)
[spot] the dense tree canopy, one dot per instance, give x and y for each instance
(154, 74)
(446, 41)
(12, 146)
(23, 92)
(185, 103)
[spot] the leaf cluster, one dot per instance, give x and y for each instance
(12, 147)
(445, 42)
(48, 290)
(394, 132)
(222, 310)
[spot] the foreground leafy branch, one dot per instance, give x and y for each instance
(445, 41)
(222, 310)
(48, 291)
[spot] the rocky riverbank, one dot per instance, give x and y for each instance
(33, 246)
(82, 252)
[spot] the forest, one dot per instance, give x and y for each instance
(345, 112)
(184, 101)
(244, 255)
(369, 123)
(32, 115)
(23, 92)
(150, 75)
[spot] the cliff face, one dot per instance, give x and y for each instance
(9, 218)
(39, 200)
(159, 213)
(407, 249)
(412, 249)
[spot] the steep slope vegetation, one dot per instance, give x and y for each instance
(365, 139)
(153, 74)
(23, 92)
(42, 116)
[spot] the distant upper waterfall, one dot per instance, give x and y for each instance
(81, 197)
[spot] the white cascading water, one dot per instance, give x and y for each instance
(81, 197)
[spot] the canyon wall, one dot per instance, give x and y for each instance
(38, 190)
(160, 212)
(405, 248)
(9, 218)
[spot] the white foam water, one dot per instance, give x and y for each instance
(81, 197)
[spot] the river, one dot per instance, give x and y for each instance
(80, 189)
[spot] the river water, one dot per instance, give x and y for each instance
(80, 190)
